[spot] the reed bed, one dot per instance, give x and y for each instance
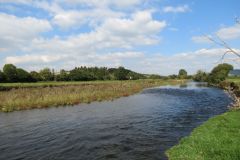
(67, 94)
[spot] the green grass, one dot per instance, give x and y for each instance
(233, 79)
(216, 139)
(50, 84)
(41, 95)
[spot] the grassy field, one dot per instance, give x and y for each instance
(217, 139)
(233, 79)
(9, 86)
(22, 96)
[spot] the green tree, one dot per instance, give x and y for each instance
(2, 77)
(82, 74)
(23, 76)
(11, 72)
(35, 76)
(219, 73)
(101, 73)
(63, 76)
(155, 76)
(200, 76)
(121, 73)
(46, 74)
(134, 76)
(182, 74)
(173, 76)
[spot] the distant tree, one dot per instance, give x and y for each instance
(189, 77)
(14, 74)
(219, 73)
(2, 77)
(46, 74)
(200, 76)
(23, 76)
(63, 76)
(134, 76)
(11, 72)
(155, 76)
(81, 74)
(101, 73)
(223, 67)
(173, 76)
(35, 76)
(121, 73)
(182, 74)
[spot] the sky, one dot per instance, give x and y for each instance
(146, 36)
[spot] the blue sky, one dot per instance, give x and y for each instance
(147, 36)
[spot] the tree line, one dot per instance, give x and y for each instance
(218, 74)
(11, 73)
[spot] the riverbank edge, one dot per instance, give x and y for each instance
(178, 151)
(92, 92)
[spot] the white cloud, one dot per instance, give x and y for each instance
(75, 13)
(96, 48)
(69, 61)
(90, 3)
(114, 33)
(33, 59)
(228, 33)
(66, 19)
(16, 1)
(139, 30)
(141, 23)
(204, 59)
(92, 12)
(110, 57)
(225, 33)
(111, 41)
(17, 31)
(177, 9)
(201, 39)
(105, 3)
(91, 49)
(119, 55)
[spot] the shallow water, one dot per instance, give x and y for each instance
(138, 127)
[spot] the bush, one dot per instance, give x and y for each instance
(2, 77)
(200, 76)
(23, 76)
(219, 73)
(11, 72)
(182, 74)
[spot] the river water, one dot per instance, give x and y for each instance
(138, 127)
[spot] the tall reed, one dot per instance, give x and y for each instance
(62, 95)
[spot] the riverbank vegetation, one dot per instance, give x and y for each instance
(216, 139)
(12, 74)
(218, 74)
(20, 89)
(40, 95)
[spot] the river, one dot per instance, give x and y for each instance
(138, 127)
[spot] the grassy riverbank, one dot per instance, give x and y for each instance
(216, 139)
(233, 79)
(20, 96)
